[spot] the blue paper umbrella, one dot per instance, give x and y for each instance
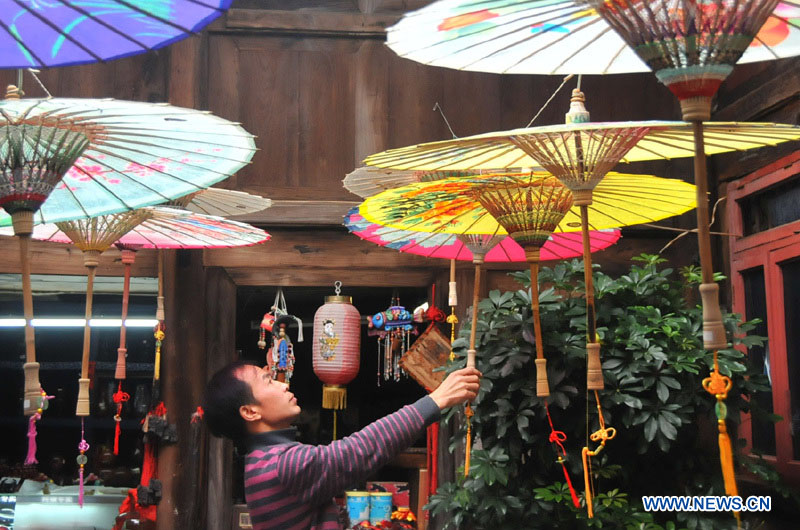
(46, 33)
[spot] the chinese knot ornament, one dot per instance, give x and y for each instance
(336, 347)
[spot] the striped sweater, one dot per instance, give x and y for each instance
(290, 486)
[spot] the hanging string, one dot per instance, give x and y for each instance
(439, 108)
(564, 82)
(33, 72)
(557, 438)
(82, 459)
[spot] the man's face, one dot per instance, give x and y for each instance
(275, 407)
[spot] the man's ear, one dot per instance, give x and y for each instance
(250, 412)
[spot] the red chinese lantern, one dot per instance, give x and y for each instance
(337, 348)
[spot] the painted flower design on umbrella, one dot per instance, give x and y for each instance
(776, 29)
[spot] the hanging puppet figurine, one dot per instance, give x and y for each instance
(280, 358)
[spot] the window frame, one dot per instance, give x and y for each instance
(767, 249)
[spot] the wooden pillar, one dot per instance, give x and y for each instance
(220, 350)
(200, 338)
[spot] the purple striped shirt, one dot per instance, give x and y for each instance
(290, 486)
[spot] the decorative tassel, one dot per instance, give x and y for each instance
(31, 458)
(558, 438)
(468, 444)
(120, 397)
(82, 447)
(719, 385)
(602, 435)
(334, 397)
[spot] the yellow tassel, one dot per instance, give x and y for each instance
(334, 397)
(726, 460)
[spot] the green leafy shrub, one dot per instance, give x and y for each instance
(653, 363)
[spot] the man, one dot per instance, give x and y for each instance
(290, 486)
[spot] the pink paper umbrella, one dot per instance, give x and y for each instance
(560, 245)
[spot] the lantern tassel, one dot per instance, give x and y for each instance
(334, 397)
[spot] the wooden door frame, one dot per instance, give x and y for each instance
(767, 249)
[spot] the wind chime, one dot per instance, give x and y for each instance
(394, 328)
(336, 349)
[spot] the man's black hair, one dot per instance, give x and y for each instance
(225, 393)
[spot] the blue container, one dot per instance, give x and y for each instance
(357, 506)
(380, 507)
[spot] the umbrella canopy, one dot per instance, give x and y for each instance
(578, 37)
(156, 227)
(604, 144)
(562, 245)
(452, 206)
(366, 181)
(222, 203)
(117, 155)
(58, 33)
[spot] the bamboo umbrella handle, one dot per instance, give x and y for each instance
(474, 326)
(713, 329)
(594, 369)
(33, 388)
(90, 259)
(128, 257)
(542, 386)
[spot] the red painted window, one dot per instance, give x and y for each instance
(764, 207)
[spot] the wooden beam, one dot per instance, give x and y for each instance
(779, 88)
(320, 249)
(314, 276)
(300, 213)
(310, 22)
(56, 258)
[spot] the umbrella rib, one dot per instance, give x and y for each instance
(614, 57)
(210, 6)
(571, 33)
(526, 38)
(120, 156)
(123, 174)
(146, 13)
(576, 52)
(22, 44)
(103, 23)
(123, 144)
(477, 30)
(58, 30)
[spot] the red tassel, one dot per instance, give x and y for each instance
(557, 438)
(116, 438)
(120, 397)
